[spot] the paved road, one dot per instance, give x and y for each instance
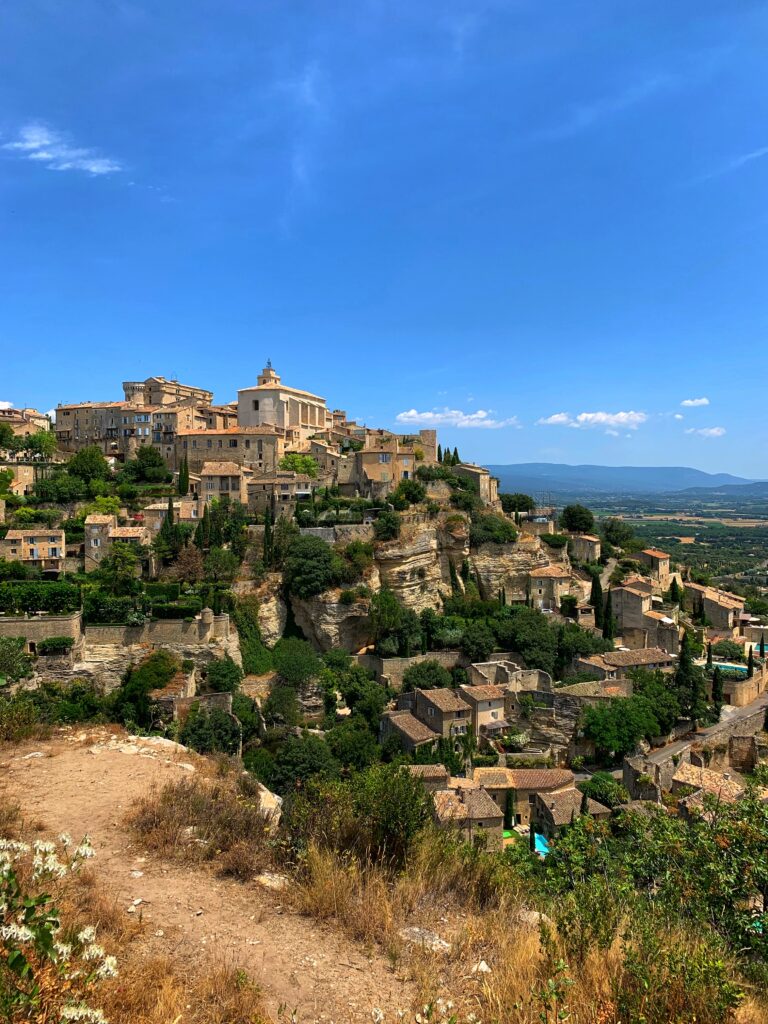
(737, 715)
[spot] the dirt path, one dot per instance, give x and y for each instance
(80, 786)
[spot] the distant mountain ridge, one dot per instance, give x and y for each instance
(560, 477)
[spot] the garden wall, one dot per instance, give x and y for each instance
(35, 628)
(202, 630)
(391, 670)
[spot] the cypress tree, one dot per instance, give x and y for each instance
(596, 600)
(455, 460)
(504, 597)
(674, 592)
(439, 453)
(609, 623)
(688, 681)
(183, 483)
(717, 688)
(709, 655)
(447, 457)
(268, 537)
(751, 662)
(762, 645)
(168, 521)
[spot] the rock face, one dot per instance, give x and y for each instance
(508, 566)
(416, 566)
(327, 623)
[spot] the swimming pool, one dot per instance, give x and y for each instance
(540, 844)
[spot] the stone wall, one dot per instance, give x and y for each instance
(35, 628)
(390, 671)
(157, 632)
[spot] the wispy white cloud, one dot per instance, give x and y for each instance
(583, 116)
(38, 142)
(482, 419)
(706, 431)
(630, 420)
(691, 403)
(678, 416)
(736, 164)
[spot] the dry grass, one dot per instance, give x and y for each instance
(198, 820)
(159, 990)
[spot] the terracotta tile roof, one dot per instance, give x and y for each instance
(646, 656)
(92, 405)
(550, 572)
(457, 808)
(410, 726)
(633, 590)
(541, 779)
(654, 553)
(726, 789)
(483, 691)
(41, 532)
(660, 616)
(98, 520)
(492, 778)
(128, 532)
(221, 469)
(429, 771)
(445, 700)
(567, 806)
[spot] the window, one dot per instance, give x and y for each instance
(95, 542)
(385, 457)
(209, 443)
(220, 443)
(247, 444)
(255, 405)
(233, 442)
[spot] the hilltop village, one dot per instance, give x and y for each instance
(372, 593)
(380, 699)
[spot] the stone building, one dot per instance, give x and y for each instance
(224, 480)
(486, 704)
(554, 812)
(640, 623)
(584, 547)
(101, 531)
(272, 403)
(411, 733)
(657, 563)
(473, 813)
(548, 586)
(258, 447)
(487, 485)
(24, 422)
(515, 789)
(159, 391)
(617, 664)
(442, 710)
(718, 608)
(280, 491)
(39, 548)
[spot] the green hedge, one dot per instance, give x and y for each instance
(17, 597)
(176, 611)
(55, 645)
(162, 591)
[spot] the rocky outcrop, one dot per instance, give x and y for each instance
(416, 566)
(508, 566)
(327, 623)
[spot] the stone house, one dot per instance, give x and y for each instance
(88, 423)
(443, 711)
(552, 813)
(185, 510)
(719, 608)
(259, 448)
(639, 623)
(24, 422)
(617, 664)
(548, 586)
(433, 776)
(487, 485)
(281, 491)
(584, 547)
(272, 403)
(517, 788)
(159, 391)
(486, 703)
(411, 732)
(39, 548)
(473, 813)
(658, 566)
(101, 531)
(224, 480)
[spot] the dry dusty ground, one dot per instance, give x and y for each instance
(83, 783)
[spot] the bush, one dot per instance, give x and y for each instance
(55, 645)
(554, 540)
(295, 661)
(729, 650)
(299, 760)
(131, 704)
(55, 598)
(408, 492)
(15, 663)
(162, 591)
(478, 641)
(491, 529)
(426, 675)
(309, 567)
(223, 675)
(102, 608)
(210, 731)
(577, 519)
(188, 610)
(387, 526)
(257, 659)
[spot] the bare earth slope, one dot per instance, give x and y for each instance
(83, 783)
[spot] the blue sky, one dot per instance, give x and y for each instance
(542, 228)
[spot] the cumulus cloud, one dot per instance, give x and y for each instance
(6, 405)
(607, 420)
(691, 403)
(706, 431)
(679, 416)
(482, 419)
(38, 142)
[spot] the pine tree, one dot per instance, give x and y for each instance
(183, 483)
(596, 600)
(268, 543)
(709, 655)
(751, 662)
(439, 453)
(717, 688)
(609, 623)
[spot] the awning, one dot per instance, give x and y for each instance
(495, 726)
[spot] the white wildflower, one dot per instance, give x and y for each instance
(65, 839)
(40, 846)
(377, 1015)
(93, 952)
(63, 949)
(87, 934)
(83, 1013)
(11, 846)
(16, 933)
(85, 850)
(108, 968)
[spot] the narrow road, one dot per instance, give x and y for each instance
(702, 735)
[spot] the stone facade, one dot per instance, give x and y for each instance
(40, 548)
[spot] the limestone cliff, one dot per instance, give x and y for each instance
(327, 623)
(508, 566)
(416, 567)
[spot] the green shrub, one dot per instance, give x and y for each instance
(491, 529)
(554, 540)
(426, 675)
(223, 675)
(387, 526)
(56, 598)
(55, 645)
(188, 610)
(257, 659)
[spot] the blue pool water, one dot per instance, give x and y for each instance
(541, 845)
